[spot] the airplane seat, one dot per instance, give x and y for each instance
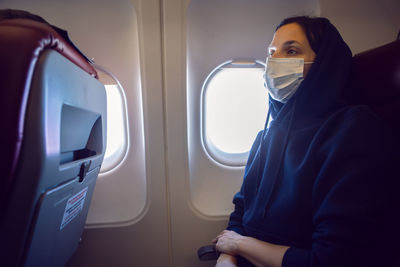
(375, 82)
(53, 137)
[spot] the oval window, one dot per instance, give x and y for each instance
(234, 109)
(117, 121)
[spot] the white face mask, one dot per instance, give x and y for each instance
(283, 76)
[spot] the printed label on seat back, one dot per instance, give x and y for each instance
(73, 207)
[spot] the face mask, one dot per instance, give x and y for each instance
(283, 76)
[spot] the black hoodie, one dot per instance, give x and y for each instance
(318, 179)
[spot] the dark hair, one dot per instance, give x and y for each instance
(19, 14)
(312, 27)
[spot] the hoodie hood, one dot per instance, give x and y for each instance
(318, 96)
(321, 91)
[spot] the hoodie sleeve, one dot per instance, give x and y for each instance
(235, 220)
(353, 200)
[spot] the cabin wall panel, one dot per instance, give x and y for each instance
(364, 24)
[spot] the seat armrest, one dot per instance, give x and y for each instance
(208, 253)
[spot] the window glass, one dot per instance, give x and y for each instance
(116, 139)
(117, 131)
(235, 108)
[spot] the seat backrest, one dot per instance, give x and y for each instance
(53, 117)
(376, 82)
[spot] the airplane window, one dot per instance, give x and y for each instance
(116, 137)
(235, 106)
(117, 125)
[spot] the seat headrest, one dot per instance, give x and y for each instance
(42, 36)
(376, 81)
(22, 41)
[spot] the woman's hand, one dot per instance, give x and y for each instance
(226, 260)
(228, 242)
(258, 252)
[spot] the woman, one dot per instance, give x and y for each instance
(316, 188)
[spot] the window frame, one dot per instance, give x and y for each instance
(116, 161)
(211, 150)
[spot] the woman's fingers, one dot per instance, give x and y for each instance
(227, 242)
(215, 240)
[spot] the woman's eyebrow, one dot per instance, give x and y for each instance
(290, 42)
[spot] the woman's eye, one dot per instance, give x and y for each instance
(292, 52)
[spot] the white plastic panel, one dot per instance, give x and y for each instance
(233, 29)
(364, 24)
(107, 31)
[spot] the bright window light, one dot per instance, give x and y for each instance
(235, 109)
(116, 134)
